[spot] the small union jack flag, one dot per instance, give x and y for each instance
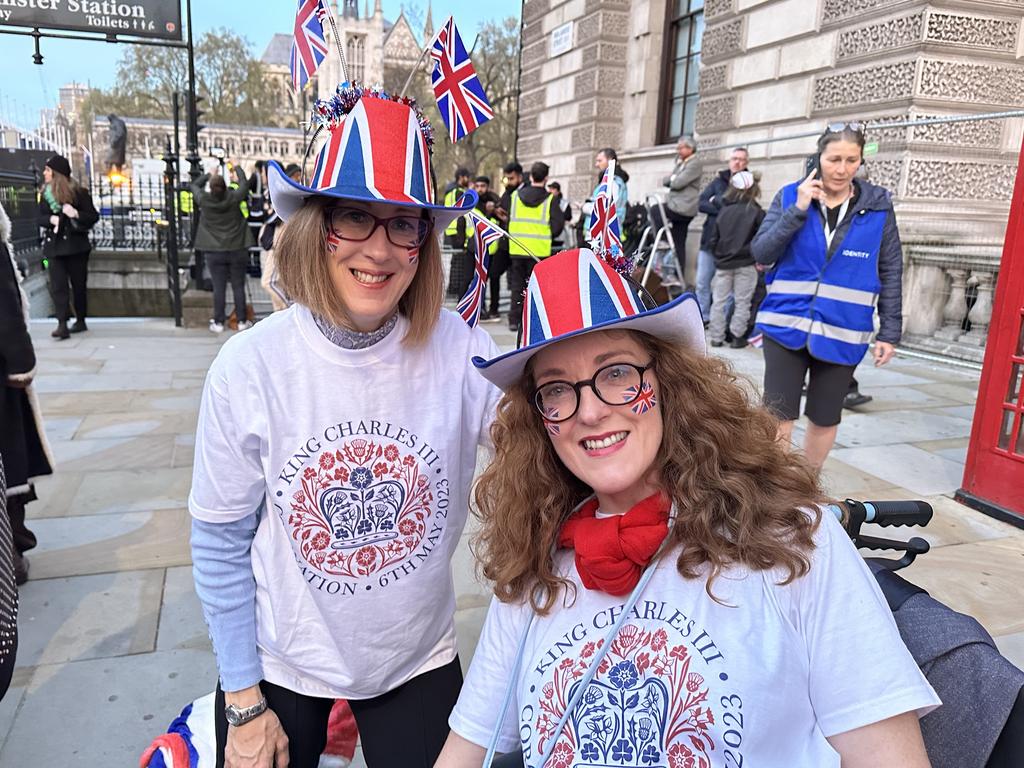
(644, 401)
(460, 96)
(484, 234)
(756, 340)
(603, 230)
(309, 46)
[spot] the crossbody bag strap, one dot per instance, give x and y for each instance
(584, 682)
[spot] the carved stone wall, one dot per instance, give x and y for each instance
(722, 39)
(887, 35)
(958, 180)
(857, 88)
(714, 79)
(961, 29)
(716, 114)
(964, 82)
(715, 8)
(841, 10)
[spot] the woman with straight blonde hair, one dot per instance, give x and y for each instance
(336, 444)
(667, 592)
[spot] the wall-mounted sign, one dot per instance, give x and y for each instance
(136, 18)
(561, 38)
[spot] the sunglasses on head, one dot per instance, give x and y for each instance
(840, 127)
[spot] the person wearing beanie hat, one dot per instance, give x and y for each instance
(336, 444)
(665, 580)
(66, 214)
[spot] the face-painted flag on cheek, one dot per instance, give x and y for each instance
(460, 96)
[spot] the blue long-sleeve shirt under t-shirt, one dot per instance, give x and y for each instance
(222, 569)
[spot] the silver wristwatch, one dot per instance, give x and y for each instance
(242, 715)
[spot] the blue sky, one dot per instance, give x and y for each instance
(26, 88)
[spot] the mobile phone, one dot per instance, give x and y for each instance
(217, 152)
(813, 163)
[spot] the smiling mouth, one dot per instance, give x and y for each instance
(369, 279)
(595, 444)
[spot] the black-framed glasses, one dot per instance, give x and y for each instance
(840, 127)
(356, 224)
(614, 384)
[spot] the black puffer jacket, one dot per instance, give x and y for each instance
(71, 235)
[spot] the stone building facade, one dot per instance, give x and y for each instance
(611, 73)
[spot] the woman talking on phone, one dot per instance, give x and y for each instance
(833, 251)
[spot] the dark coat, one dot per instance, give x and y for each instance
(23, 445)
(780, 226)
(222, 227)
(710, 203)
(8, 593)
(735, 227)
(72, 235)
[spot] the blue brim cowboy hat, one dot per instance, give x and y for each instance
(377, 151)
(576, 292)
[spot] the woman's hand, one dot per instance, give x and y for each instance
(810, 189)
(260, 743)
(883, 352)
(69, 210)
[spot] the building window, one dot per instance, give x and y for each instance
(683, 41)
(355, 55)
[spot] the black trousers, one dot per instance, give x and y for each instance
(519, 271)
(499, 266)
(405, 727)
(73, 269)
(224, 264)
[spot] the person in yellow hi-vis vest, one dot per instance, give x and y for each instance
(486, 205)
(534, 219)
(461, 270)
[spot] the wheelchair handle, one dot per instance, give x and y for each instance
(886, 513)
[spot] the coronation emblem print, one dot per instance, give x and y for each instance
(363, 508)
(656, 699)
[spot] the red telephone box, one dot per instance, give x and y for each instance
(994, 474)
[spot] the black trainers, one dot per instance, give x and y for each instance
(717, 343)
(78, 326)
(854, 399)
(738, 342)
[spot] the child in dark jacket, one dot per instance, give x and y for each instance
(735, 272)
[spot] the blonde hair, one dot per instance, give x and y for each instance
(741, 498)
(300, 253)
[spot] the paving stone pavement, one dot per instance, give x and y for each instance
(112, 638)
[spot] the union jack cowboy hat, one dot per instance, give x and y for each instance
(575, 292)
(377, 151)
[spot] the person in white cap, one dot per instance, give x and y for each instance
(735, 273)
(667, 592)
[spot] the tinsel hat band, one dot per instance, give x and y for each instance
(377, 150)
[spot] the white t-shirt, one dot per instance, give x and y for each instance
(363, 459)
(689, 683)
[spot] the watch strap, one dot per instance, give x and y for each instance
(242, 715)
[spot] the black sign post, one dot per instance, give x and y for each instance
(156, 19)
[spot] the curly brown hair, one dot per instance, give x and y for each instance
(740, 497)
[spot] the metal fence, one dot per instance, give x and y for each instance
(18, 197)
(132, 213)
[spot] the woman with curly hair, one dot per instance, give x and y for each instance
(667, 591)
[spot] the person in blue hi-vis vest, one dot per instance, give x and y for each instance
(832, 252)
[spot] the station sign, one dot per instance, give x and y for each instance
(138, 18)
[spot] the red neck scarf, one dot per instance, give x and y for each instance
(612, 552)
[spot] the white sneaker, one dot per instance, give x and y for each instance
(216, 327)
(244, 325)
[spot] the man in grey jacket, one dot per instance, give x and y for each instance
(684, 193)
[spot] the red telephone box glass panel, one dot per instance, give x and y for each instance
(994, 472)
